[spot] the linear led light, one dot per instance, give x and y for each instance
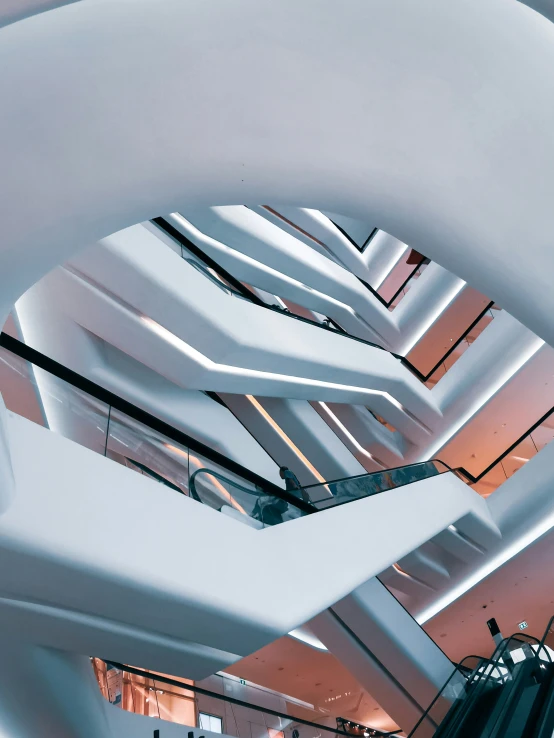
(239, 256)
(309, 638)
(281, 433)
(349, 435)
(508, 553)
(209, 364)
(443, 305)
(220, 488)
(474, 409)
(387, 269)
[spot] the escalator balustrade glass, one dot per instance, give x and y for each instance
(243, 501)
(354, 488)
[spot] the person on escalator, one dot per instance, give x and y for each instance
(270, 510)
(292, 484)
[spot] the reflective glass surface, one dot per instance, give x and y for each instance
(365, 485)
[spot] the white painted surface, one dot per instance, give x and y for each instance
(67, 536)
(412, 176)
(387, 651)
(50, 331)
(523, 509)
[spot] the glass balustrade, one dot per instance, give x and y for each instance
(354, 488)
(220, 703)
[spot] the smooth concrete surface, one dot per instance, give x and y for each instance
(387, 651)
(251, 234)
(7, 482)
(523, 510)
(544, 7)
(48, 330)
(466, 178)
(71, 578)
(12, 11)
(48, 692)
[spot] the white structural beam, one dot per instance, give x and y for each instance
(133, 291)
(387, 651)
(68, 538)
(423, 175)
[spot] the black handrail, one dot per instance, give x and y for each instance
(494, 661)
(283, 494)
(100, 393)
(182, 240)
(170, 230)
(311, 506)
(361, 248)
(456, 343)
(185, 242)
(456, 670)
(510, 448)
(380, 471)
(546, 632)
(233, 700)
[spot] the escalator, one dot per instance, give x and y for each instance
(510, 695)
(252, 505)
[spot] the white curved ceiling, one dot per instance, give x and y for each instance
(440, 120)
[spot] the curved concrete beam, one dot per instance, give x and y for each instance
(544, 7)
(440, 127)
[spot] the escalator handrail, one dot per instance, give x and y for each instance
(493, 661)
(306, 507)
(180, 238)
(546, 632)
(165, 226)
(36, 358)
(384, 471)
(455, 671)
(516, 682)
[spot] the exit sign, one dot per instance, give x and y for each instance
(523, 625)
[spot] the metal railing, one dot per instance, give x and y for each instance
(290, 721)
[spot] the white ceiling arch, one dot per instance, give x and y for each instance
(434, 119)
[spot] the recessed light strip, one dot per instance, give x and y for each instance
(281, 433)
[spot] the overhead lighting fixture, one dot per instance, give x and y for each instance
(309, 638)
(482, 401)
(501, 558)
(229, 370)
(349, 435)
(281, 433)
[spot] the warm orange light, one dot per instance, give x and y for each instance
(298, 453)
(220, 488)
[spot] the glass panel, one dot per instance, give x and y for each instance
(78, 416)
(253, 717)
(240, 499)
(463, 346)
(544, 433)
(518, 457)
(18, 387)
(365, 485)
(491, 481)
(398, 277)
(148, 452)
(210, 722)
(449, 701)
(53, 403)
